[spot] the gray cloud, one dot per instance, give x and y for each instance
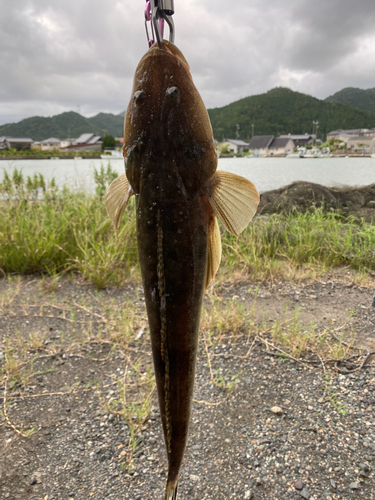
(56, 56)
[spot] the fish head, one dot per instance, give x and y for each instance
(166, 124)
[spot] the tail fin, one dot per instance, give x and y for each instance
(171, 489)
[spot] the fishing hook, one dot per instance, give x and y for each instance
(157, 12)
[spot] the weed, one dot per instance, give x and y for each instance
(332, 396)
(133, 403)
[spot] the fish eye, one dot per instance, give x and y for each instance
(173, 91)
(139, 96)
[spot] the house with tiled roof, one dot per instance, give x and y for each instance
(361, 144)
(268, 145)
(281, 146)
(85, 142)
(50, 144)
(235, 145)
(299, 140)
(343, 135)
(18, 143)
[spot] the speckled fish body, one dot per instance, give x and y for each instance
(170, 156)
(170, 164)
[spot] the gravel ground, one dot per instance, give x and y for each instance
(286, 430)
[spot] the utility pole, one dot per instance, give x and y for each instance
(237, 131)
(315, 130)
(252, 130)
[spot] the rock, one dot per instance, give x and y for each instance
(298, 484)
(333, 484)
(248, 495)
(302, 195)
(354, 486)
(305, 494)
(194, 478)
(365, 468)
(277, 410)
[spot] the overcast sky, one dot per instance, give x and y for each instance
(80, 55)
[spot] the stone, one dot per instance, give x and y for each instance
(277, 410)
(354, 486)
(298, 484)
(305, 494)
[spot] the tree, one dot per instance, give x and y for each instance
(108, 141)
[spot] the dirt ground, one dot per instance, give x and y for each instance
(263, 426)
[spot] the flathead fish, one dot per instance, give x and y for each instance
(170, 167)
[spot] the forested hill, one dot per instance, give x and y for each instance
(283, 111)
(279, 111)
(69, 124)
(358, 98)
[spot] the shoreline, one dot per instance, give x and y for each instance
(98, 157)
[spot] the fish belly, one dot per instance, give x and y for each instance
(172, 245)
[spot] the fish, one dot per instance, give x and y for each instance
(171, 169)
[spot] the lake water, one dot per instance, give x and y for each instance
(265, 173)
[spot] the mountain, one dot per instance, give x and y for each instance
(69, 124)
(283, 111)
(358, 98)
(111, 124)
(279, 111)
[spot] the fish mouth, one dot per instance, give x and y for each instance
(173, 50)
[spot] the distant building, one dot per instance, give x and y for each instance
(18, 143)
(235, 145)
(369, 133)
(343, 135)
(259, 144)
(268, 145)
(85, 142)
(299, 139)
(50, 144)
(67, 142)
(361, 144)
(281, 146)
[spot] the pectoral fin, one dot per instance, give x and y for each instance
(234, 200)
(117, 198)
(214, 251)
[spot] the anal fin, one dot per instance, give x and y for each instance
(213, 251)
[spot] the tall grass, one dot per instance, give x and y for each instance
(47, 230)
(317, 237)
(60, 230)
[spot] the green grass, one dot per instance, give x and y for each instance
(47, 230)
(62, 230)
(272, 246)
